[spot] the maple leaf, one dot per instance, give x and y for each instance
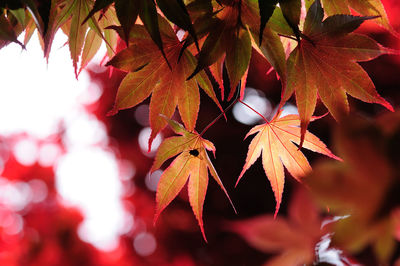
(275, 140)
(192, 163)
(324, 64)
(295, 238)
(365, 187)
(232, 32)
(82, 34)
(7, 33)
(363, 7)
(227, 39)
(149, 74)
(127, 12)
(270, 45)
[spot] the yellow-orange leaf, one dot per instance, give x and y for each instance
(149, 73)
(275, 141)
(191, 163)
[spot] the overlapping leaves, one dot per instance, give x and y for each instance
(191, 163)
(363, 7)
(227, 41)
(233, 31)
(150, 74)
(324, 64)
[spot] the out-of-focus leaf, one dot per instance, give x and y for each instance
(294, 238)
(365, 187)
(275, 141)
(191, 163)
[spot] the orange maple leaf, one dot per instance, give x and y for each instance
(275, 140)
(324, 64)
(191, 163)
(149, 73)
(293, 239)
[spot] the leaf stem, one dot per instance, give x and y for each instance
(251, 108)
(287, 36)
(218, 117)
(225, 110)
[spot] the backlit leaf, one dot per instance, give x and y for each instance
(363, 7)
(293, 238)
(92, 45)
(150, 74)
(191, 163)
(324, 64)
(275, 142)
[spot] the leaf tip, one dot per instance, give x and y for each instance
(303, 131)
(239, 178)
(202, 232)
(152, 137)
(113, 111)
(388, 106)
(337, 158)
(156, 215)
(278, 204)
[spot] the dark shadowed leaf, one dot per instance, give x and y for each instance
(266, 8)
(127, 12)
(175, 11)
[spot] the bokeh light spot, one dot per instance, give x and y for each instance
(143, 139)
(26, 152)
(257, 101)
(145, 244)
(152, 179)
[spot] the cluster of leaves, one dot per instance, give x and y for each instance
(174, 47)
(361, 195)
